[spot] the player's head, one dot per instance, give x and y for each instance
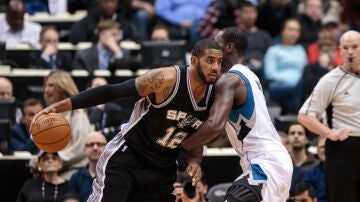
(234, 44)
(206, 57)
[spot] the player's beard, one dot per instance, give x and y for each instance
(202, 75)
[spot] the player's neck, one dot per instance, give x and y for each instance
(197, 84)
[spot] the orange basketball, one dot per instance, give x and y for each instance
(51, 132)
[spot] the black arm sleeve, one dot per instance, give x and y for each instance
(105, 93)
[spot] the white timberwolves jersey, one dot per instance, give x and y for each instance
(249, 128)
(265, 162)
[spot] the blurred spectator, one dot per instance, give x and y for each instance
(6, 88)
(315, 176)
(96, 113)
(160, 33)
(81, 181)
(351, 15)
(20, 138)
(50, 186)
(202, 187)
(304, 192)
(272, 15)
(6, 93)
(313, 73)
(143, 13)
(310, 22)
(14, 29)
(330, 8)
(106, 53)
(49, 6)
(49, 57)
(302, 159)
(330, 32)
(185, 192)
(299, 141)
(258, 40)
(59, 85)
(179, 16)
(33, 168)
(103, 116)
(190, 193)
(283, 67)
(219, 14)
(86, 28)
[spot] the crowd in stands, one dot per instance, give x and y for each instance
(292, 44)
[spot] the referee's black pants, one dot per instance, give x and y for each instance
(342, 170)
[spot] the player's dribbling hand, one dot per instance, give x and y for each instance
(194, 170)
(47, 110)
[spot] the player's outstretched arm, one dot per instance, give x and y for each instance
(156, 81)
(213, 127)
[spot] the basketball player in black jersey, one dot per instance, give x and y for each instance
(139, 164)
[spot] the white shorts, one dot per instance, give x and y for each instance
(268, 175)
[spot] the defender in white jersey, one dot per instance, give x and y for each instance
(240, 108)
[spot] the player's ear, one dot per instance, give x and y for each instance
(194, 60)
(229, 47)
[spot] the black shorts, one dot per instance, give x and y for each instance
(242, 190)
(130, 178)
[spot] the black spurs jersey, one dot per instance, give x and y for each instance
(155, 131)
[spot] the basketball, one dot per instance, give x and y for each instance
(51, 132)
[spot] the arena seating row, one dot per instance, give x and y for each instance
(13, 170)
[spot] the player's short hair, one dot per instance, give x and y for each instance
(202, 45)
(236, 36)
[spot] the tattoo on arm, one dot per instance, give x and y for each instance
(150, 83)
(167, 91)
